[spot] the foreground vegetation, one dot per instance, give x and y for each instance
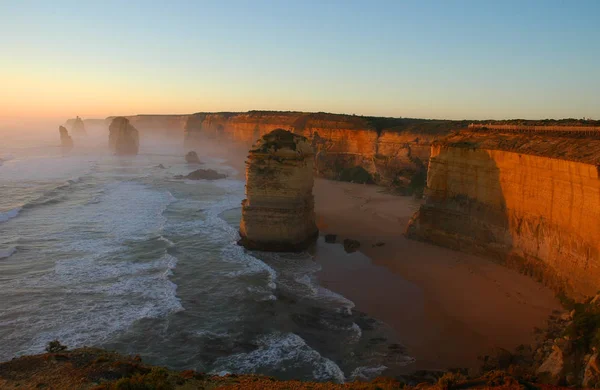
(97, 369)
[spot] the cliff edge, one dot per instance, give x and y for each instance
(531, 202)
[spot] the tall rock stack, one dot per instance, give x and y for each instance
(66, 142)
(278, 212)
(123, 138)
(78, 128)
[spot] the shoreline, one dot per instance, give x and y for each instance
(446, 307)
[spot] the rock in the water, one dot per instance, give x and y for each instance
(278, 212)
(78, 128)
(160, 166)
(123, 138)
(351, 245)
(192, 158)
(203, 174)
(330, 238)
(66, 142)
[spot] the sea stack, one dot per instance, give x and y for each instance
(278, 212)
(192, 157)
(66, 142)
(123, 138)
(78, 128)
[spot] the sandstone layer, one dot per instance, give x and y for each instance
(529, 201)
(278, 212)
(66, 142)
(123, 138)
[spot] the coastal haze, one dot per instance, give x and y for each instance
(376, 193)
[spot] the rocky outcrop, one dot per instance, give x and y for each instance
(531, 202)
(192, 158)
(78, 128)
(123, 138)
(278, 212)
(66, 142)
(203, 174)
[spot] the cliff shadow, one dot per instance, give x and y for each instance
(466, 209)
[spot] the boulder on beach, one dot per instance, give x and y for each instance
(66, 142)
(192, 158)
(123, 138)
(203, 174)
(351, 245)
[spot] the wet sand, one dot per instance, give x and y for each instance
(446, 307)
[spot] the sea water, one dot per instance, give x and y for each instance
(114, 252)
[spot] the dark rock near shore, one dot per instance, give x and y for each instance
(330, 238)
(192, 158)
(203, 174)
(351, 245)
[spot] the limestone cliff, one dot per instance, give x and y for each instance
(66, 142)
(78, 128)
(278, 212)
(392, 150)
(123, 138)
(533, 202)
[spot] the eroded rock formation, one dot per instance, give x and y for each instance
(66, 142)
(192, 158)
(203, 174)
(78, 128)
(123, 138)
(278, 212)
(532, 202)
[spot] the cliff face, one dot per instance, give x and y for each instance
(123, 138)
(278, 212)
(66, 142)
(536, 212)
(391, 150)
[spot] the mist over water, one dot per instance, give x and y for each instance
(114, 252)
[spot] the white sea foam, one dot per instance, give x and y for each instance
(100, 287)
(280, 352)
(365, 373)
(5, 253)
(6, 215)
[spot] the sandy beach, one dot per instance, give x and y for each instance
(446, 307)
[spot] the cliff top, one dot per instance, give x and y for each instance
(282, 143)
(583, 149)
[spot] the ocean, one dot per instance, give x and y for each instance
(114, 252)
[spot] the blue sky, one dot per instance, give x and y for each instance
(430, 59)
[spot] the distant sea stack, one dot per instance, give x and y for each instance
(78, 129)
(278, 212)
(123, 138)
(192, 158)
(66, 142)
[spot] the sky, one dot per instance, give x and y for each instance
(427, 59)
